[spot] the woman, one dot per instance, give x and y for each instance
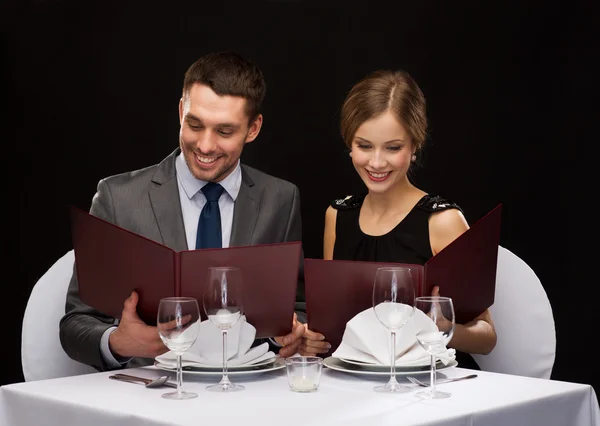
(384, 124)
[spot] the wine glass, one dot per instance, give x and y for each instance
(177, 323)
(393, 302)
(222, 300)
(441, 311)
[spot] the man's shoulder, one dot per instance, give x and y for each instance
(263, 179)
(161, 172)
(131, 176)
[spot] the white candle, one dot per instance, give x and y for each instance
(303, 384)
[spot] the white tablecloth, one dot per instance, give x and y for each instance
(342, 399)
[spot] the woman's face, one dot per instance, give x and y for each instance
(381, 152)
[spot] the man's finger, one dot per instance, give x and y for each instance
(289, 338)
(296, 334)
(313, 335)
(321, 346)
(173, 324)
(130, 306)
(290, 350)
(131, 301)
(312, 350)
(154, 344)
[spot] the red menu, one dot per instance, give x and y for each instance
(465, 270)
(112, 261)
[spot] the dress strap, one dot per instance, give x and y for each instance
(348, 203)
(435, 203)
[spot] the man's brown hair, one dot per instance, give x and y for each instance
(228, 73)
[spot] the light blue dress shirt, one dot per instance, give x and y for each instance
(193, 200)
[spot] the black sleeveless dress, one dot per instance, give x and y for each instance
(407, 242)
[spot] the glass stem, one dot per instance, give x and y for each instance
(393, 359)
(432, 375)
(224, 333)
(179, 374)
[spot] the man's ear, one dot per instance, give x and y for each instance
(254, 129)
(180, 111)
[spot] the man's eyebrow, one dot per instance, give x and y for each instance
(192, 117)
(233, 126)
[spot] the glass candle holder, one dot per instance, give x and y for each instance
(304, 373)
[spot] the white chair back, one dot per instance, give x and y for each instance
(42, 355)
(524, 322)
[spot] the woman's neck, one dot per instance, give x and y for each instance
(401, 198)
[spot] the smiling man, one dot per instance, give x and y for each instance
(200, 196)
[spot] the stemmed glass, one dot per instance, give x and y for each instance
(393, 302)
(222, 300)
(441, 311)
(177, 323)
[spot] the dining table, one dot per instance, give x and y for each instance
(342, 398)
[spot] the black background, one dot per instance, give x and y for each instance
(92, 87)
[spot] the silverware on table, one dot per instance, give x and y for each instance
(439, 382)
(149, 383)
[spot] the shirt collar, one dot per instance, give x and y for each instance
(191, 185)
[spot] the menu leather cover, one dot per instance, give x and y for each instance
(111, 262)
(465, 270)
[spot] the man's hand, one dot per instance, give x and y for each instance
(313, 343)
(291, 342)
(133, 338)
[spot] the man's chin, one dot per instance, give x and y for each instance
(207, 177)
(210, 175)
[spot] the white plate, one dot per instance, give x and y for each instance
(339, 365)
(381, 367)
(278, 364)
(199, 366)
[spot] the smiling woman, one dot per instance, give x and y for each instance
(384, 123)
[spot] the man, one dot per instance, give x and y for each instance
(219, 113)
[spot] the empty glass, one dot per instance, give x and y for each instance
(441, 311)
(222, 301)
(393, 302)
(177, 324)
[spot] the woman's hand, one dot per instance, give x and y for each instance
(442, 322)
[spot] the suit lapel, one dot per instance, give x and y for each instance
(245, 212)
(164, 199)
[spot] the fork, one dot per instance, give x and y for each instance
(439, 382)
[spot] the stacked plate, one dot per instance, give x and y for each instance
(359, 367)
(263, 366)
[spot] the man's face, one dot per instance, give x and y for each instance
(214, 130)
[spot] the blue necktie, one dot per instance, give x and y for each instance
(209, 224)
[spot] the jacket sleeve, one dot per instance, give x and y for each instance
(82, 327)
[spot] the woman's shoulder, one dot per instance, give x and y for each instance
(350, 202)
(436, 203)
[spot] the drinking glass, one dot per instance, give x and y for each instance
(222, 301)
(441, 311)
(393, 302)
(177, 323)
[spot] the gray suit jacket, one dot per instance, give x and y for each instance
(146, 201)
